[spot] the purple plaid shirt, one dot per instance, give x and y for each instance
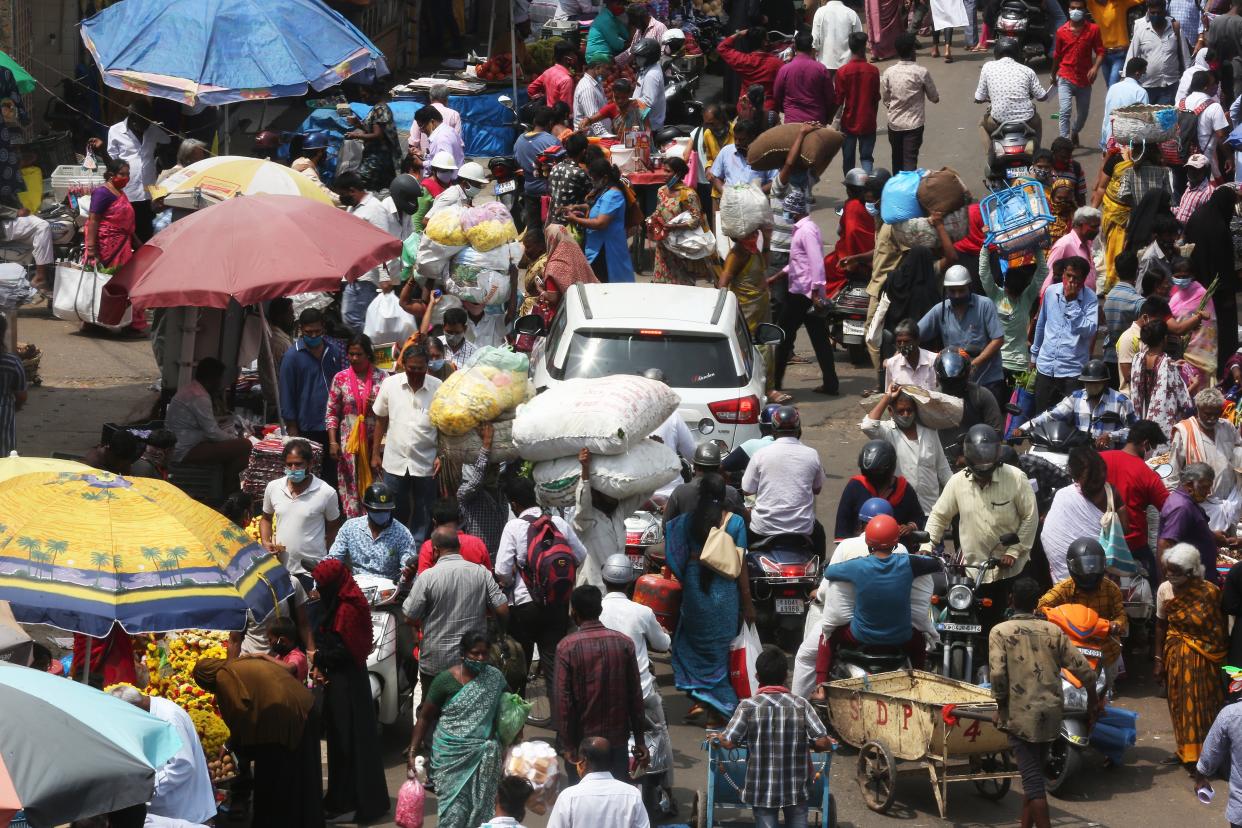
(598, 691)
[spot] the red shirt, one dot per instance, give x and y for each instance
(555, 84)
(858, 92)
(473, 549)
(972, 243)
(297, 659)
(752, 67)
(1139, 487)
(1077, 51)
(857, 229)
(111, 656)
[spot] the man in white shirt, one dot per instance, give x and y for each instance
(1157, 38)
(911, 365)
(532, 623)
(785, 478)
(590, 99)
(134, 141)
(408, 457)
(1011, 89)
(306, 511)
(640, 624)
(1213, 122)
(599, 800)
(183, 787)
(831, 28)
(440, 136)
(649, 87)
(356, 296)
(599, 520)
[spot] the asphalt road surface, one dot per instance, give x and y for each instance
(90, 380)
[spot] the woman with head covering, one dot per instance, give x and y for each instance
(1061, 202)
(1191, 645)
(1208, 230)
(1191, 306)
(1159, 392)
(271, 715)
(565, 266)
(356, 783)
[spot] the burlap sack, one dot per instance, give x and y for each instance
(942, 191)
(769, 150)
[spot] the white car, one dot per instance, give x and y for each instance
(695, 335)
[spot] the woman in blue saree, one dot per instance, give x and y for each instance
(462, 705)
(711, 605)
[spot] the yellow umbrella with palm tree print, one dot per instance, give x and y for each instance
(82, 550)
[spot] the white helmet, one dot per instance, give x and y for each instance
(672, 34)
(474, 171)
(443, 160)
(617, 569)
(957, 276)
(857, 177)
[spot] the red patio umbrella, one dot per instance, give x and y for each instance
(250, 249)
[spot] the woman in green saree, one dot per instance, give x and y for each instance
(461, 706)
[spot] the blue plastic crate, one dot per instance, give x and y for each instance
(1016, 218)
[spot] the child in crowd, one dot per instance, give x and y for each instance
(282, 638)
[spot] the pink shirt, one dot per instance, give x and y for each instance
(297, 659)
(555, 84)
(1071, 244)
(418, 140)
(806, 259)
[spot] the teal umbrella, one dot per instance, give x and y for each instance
(25, 82)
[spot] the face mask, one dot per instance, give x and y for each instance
(1157, 19)
(119, 181)
(471, 190)
(903, 420)
(1078, 15)
(435, 364)
(455, 340)
(312, 341)
(380, 517)
(295, 475)
(472, 666)
(1183, 281)
(873, 207)
(444, 177)
(1041, 174)
(1094, 389)
(907, 350)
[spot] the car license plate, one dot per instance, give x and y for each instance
(850, 327)
(790, 606)
(948, 626)
(503, 187)
(1090, 652)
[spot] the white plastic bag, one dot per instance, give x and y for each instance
(743, 652)
(607, 415)
(875, 332)
(15, 288)
(494, 259)
(743, 210)
(78, 293)
(386, 321)
(349, 156)
(434, 259)
(641, 470)
(537, 763)
(691, 243)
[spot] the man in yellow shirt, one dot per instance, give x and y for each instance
(1110, 16)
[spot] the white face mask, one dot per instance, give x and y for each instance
(1078, 15)
(471, 190)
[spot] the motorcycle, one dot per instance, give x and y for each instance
(1088, 632)
(958, 621)
(1026, 21)
(509, 186)
(681, 84)
(784, 573)
(1010, 151)
(644, 538)
(650, 775)
(1052, 439)
(390, 666)
(847, 315)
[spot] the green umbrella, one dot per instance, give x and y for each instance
(25, 82)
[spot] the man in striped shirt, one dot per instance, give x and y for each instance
(1198, 187)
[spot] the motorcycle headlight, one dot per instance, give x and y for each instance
(960, 597)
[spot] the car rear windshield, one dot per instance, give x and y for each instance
(688, 361)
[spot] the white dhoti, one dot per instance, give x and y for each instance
(32, 231)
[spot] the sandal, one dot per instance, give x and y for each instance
(798, 359)
(779, 397)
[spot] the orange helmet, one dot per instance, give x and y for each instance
(882, 533)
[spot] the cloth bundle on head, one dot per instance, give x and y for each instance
(347, 612)
(261, 702)
(795, 202)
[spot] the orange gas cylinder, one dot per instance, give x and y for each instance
(663, 595)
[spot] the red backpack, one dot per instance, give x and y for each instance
(551, 568)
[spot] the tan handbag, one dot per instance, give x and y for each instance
(720, 554)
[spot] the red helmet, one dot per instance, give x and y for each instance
(267, 139)
(882, 533)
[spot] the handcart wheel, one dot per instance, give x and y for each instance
(993, 789)
(877, 776)
(830, 820)
(698, 811)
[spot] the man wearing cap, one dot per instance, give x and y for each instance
(1084, 409)
(1064, 330)
(968, 322)
(685, 498)
(1199, 187)
(622, 615)
(375, 543)
(591, 101)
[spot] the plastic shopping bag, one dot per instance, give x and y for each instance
(1117, 555)
(511, 717)
(79, 295)
(691, 243)
(743, 653)
(387, 321)
(411, 800)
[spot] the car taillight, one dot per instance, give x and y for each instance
(632, 538)
(739, 411)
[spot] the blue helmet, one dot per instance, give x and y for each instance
(765, 417)
(315, 140)
(872, 507)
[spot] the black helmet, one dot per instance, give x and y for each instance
(877, 460)
(378, 498)
(707, 455)
(405, 191)
(786, 420)
(952, 372)
(1086, 561)
(648, 49)
(1094, 371)
(982, 449)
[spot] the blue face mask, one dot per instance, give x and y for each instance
(1183, 282)
(312, 341)
(380, 517)
(296, 475)
(435, 364)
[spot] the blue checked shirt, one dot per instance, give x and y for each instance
(1121, 308)
(1077, 411)
(777, 729)
(1186, 13)
(1064, 332)
(383, 556)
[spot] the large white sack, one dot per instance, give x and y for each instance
(640, 471)
(605, 414)
(744, 208)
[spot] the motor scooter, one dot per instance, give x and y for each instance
(962, 636)
(644, 537)
(1053, 439)
(1026, 21)
(1088, 632)
(390, 666)
(509, 187)
(1010, 152)
(847, 317)
(784, 572)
